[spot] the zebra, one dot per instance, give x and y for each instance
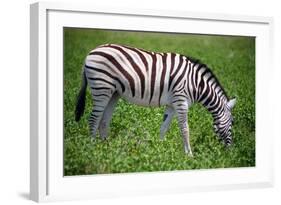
(152, 79)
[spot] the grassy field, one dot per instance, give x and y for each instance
(134, 144)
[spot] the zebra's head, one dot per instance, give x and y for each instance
(223, 123)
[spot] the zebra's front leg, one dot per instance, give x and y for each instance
(168, 116)
(107, 116)
(182, 110)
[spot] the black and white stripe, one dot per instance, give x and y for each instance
(152, 79)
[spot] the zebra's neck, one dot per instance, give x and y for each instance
(209, 92)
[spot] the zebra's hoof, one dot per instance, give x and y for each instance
(189, 153)
(104, 138)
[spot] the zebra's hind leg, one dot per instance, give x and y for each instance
(181, 110)
(101, 100)
(168, 116)
(107, 116)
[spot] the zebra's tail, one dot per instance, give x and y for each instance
(80, 103)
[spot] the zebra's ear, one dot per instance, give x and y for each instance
(231, 103)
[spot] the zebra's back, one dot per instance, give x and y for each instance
(141, 77)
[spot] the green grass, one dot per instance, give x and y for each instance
(134, 144)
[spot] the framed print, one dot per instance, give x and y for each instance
(127, 102)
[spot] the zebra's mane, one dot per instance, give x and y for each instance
(197, 61)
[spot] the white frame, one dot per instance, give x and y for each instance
(46, 180)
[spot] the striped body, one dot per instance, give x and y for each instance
(144, 78)
(153, 79)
